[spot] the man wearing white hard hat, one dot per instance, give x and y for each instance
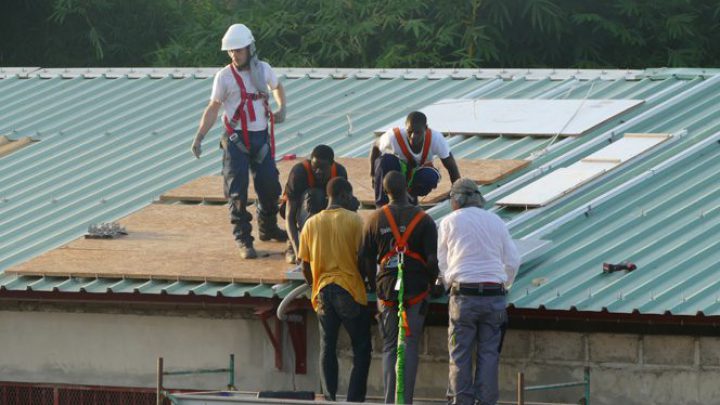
(241, 89)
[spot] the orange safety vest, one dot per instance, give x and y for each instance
(247, 99)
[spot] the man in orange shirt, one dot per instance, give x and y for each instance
(329, 245)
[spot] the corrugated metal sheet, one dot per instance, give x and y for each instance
(667, 224)
(114, 140)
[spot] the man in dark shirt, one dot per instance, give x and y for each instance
(380, 244)
(305, 194)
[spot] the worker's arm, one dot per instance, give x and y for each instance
(430, 246)
(374, 155)
(452, 167)
(368, 268)
(307, 272)
(206, 122)
(291, 209)
(279, 96)
(511, 256)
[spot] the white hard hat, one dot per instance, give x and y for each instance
(238, 36)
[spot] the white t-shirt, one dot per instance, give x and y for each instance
(226, 91)
(439, 146)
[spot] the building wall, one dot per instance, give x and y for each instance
(119, 345)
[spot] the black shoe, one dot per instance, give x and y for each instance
(276, 233)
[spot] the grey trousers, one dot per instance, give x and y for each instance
(388, 324)
(475, 322)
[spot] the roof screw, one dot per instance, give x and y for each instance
(527, 292)
(702, 214)
(589, 292)
(299, 134)
(54, 200)
(652, 296)
(103, 201)
(557, 293)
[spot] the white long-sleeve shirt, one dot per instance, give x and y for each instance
(474, 246)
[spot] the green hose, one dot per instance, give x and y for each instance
(400, 362)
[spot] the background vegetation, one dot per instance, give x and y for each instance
(365, 33)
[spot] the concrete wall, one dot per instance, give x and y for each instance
(119, 346)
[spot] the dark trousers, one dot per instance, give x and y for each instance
(237, 166)
(388, 323)
(424, 179)
(337, 307)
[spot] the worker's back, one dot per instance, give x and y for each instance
(330, 240)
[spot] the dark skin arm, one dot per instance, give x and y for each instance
(452, 167)
(291, 209)
(432, 268)
(374, 155)
(368, 269)
(307, 272)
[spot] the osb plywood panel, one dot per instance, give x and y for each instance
(183, 242)
(210, 188)
(166, 241)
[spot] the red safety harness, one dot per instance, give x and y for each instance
(240, 114)
(401, 246)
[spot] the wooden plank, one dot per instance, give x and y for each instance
(167, 242)
(175, 242)
(647, 135)
(11, 146)
(210, 188)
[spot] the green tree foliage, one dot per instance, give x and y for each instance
(369, 33)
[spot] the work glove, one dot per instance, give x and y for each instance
(196, 147)
(279, 114)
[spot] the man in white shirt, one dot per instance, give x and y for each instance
(241, 89)
(478, 261)
(411, 151)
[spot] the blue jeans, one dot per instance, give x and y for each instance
(237, 166)
(425, 179)
(337, 307)
(475, 322)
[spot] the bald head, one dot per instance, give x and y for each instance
(395, 185)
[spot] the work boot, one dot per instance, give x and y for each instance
(248, 252)
(268, 229)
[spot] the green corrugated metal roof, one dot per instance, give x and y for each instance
(112, 140)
